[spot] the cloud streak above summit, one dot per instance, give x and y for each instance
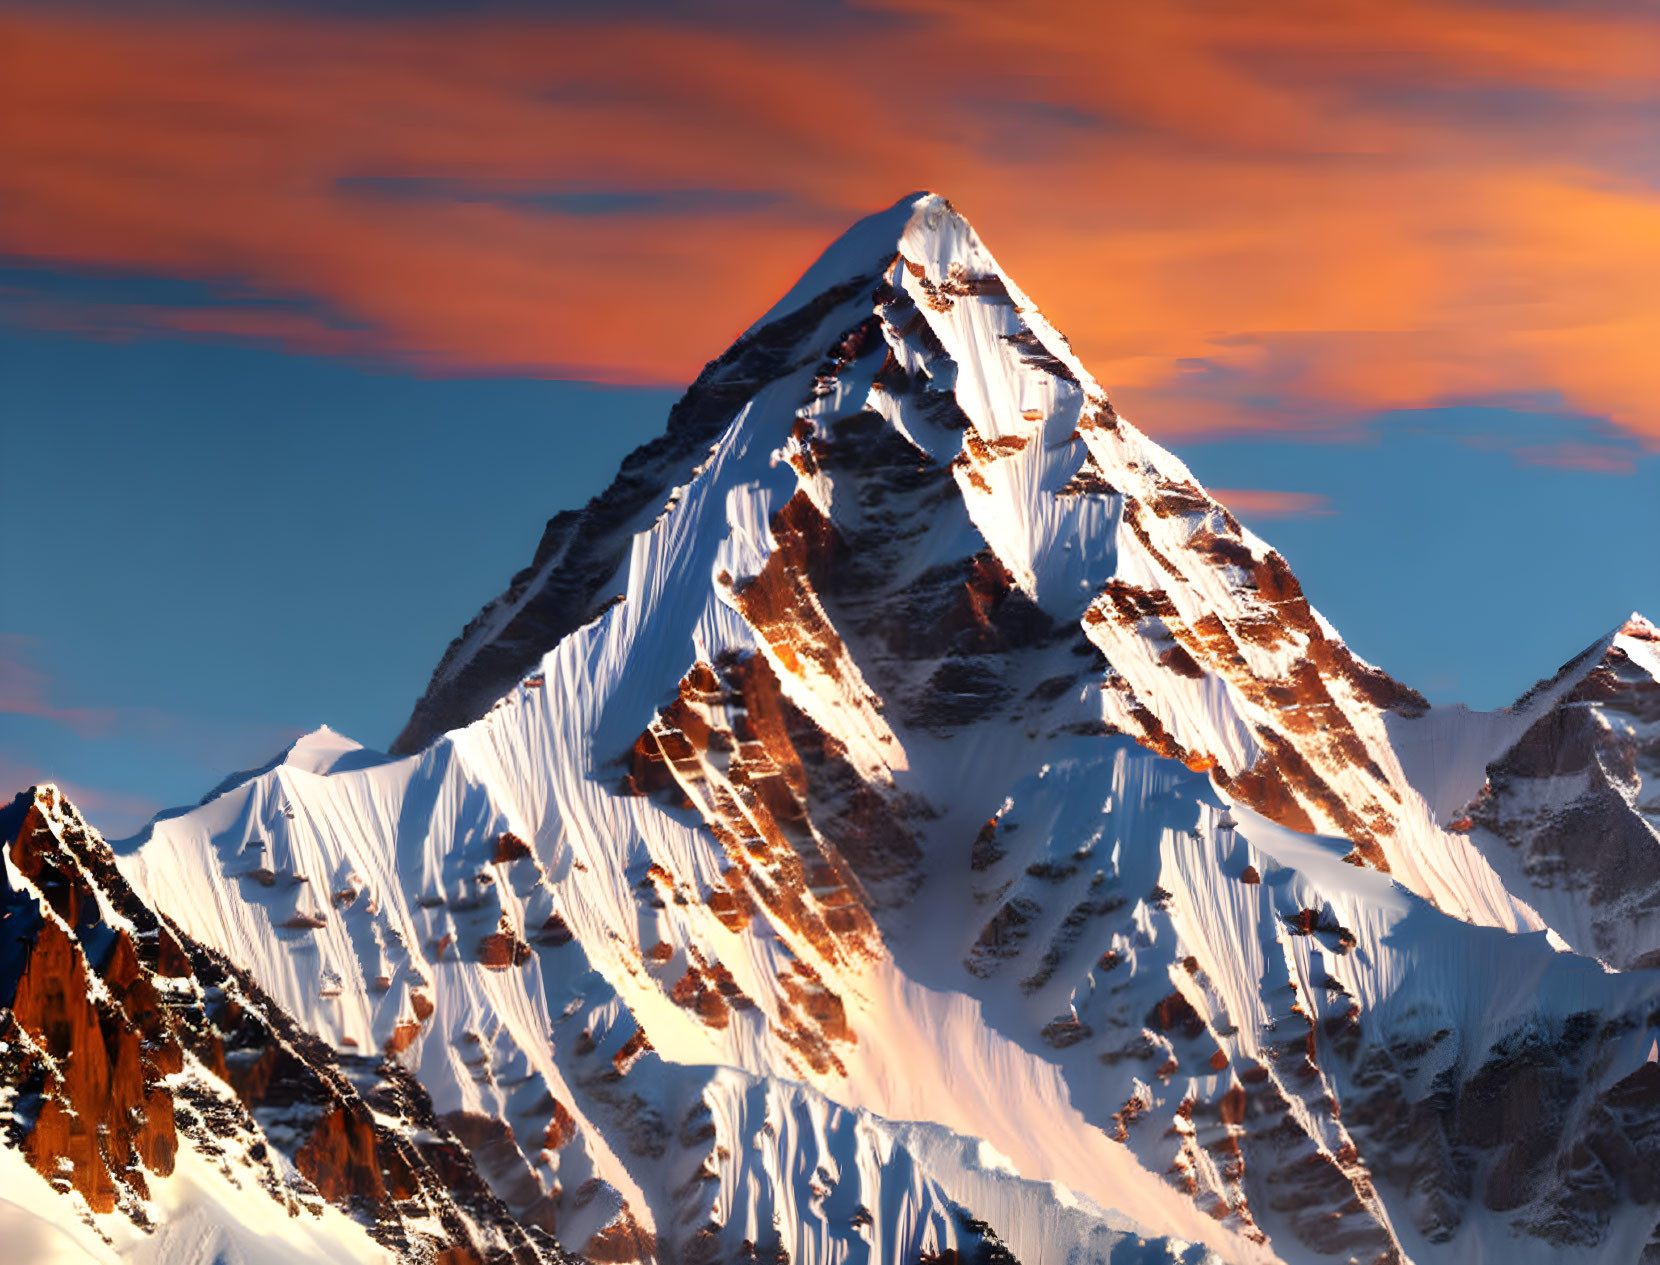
(1245, 217)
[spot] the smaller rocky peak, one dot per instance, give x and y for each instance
(1639, 628)
(1634, 657)
(1573, 803)
(125, 1043)
(1625, 677)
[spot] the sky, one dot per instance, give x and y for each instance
(312, 313)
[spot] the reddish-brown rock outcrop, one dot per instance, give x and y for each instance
(803, 833)
(129, 1037)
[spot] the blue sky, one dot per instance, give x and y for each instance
(311, 313)
(224, 546)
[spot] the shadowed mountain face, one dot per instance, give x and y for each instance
(907, 818)
(1573, 808)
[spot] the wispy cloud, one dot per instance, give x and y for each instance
(127, 737)
(1538, 434)
(1262, 503)
(1329, 207)
(25, 691)
(564, 198)
(1599, 458)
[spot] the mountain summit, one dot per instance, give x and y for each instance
(906, 818)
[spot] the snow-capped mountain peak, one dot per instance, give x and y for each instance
(907, 817)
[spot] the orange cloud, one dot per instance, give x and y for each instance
(1281, 215)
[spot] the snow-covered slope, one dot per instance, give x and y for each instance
(870, 831)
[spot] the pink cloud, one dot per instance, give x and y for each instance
(25, 691)
(1597, 458)
(1262, 503)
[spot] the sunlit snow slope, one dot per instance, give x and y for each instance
(906, 815)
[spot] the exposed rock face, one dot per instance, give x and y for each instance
(88, 1041)
(803, 833)
(1511, 1130)
(125, 1041)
